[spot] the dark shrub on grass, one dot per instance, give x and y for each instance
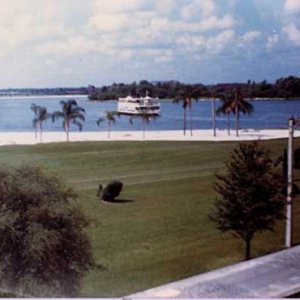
(112, 190)
(44, 248)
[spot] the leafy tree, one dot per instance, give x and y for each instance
(41, 115)
(145, 115)
(186, 96)
(44, 248)
(283, 159)
(110, 118)
(71, 113)
(251, 199)
(283, 88)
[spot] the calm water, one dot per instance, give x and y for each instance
(16, 115)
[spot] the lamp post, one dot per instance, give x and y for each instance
(293, 123)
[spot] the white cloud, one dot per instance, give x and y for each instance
(105, 35)
(251, 36)
(211, 45)
(120, 6)
(188, 12)
(207, 24)
(107, 22)
(166, 6)
(119, 22)
(293, 33)
(207, 7)
(272, 41)
(292, 6)
(218, 43)
(21, 23)
(71, 46)
(192, 43)
(227, 21)
(198, 9)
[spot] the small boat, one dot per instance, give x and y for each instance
(138, 106)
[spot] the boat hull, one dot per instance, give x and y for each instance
(136, 114)
(138, 106)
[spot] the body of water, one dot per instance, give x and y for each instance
(16, 115)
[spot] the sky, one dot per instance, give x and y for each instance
(52, 43)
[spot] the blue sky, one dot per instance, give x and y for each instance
(79, 42)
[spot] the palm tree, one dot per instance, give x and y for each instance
(41, 115)
(240, 105)
(214, 95)
(71, 113)
(186, 96)
(235, 102)
(110, 117)
(145, 115)
(226, 109)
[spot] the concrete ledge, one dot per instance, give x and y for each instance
(275, 275)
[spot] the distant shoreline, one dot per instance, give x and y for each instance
(41, 96)
(15, 97)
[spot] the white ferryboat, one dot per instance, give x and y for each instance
(138, 106)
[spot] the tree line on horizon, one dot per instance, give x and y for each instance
(286, 88)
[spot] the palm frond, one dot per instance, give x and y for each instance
(110, 118)
(225, 108)
(78, 124)
(99, 121)
(62, 103)
(76, 115)
(72, 102)
(245, 107)
(78, 109)
(34, 108)
(113, 113)
(34, 122)
(56, 115)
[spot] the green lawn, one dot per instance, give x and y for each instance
(162, 232)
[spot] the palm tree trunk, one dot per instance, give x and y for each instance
(144, 128)
(108, 131)
(67, 128)
(213, 115)
(41, 132)
(236, 108)
(191, 118)
(228, 123)
(184, 121)
(236, 120)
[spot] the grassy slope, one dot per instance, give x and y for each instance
(162, 234)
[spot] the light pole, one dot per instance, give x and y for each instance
(293, 123)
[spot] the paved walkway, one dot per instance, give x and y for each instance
(272, 276)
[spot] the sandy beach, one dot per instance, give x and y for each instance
(28, 138)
